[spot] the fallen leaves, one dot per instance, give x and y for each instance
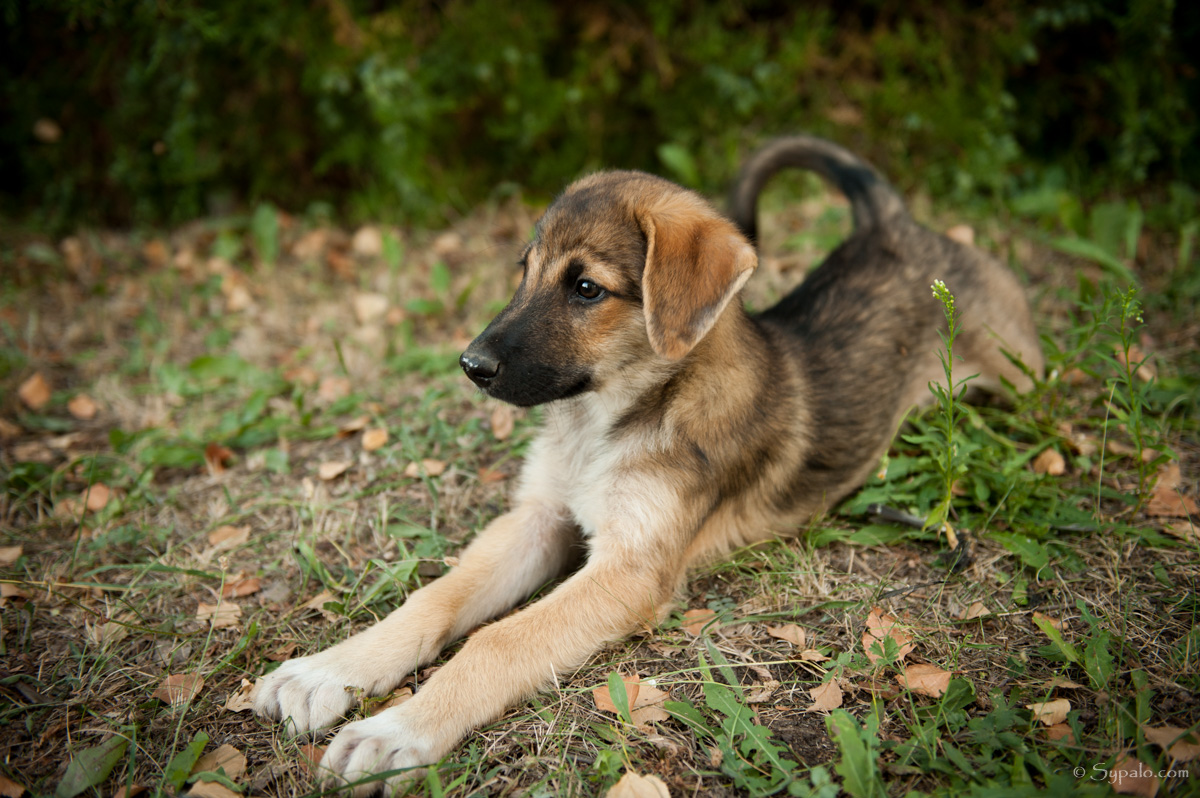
(431, 468)
(83, 407)
(217, 457)
(633, 785)
(227, 536)
(826, 697)
(695, 621)
(790, 632)
(221, 614)
(9, 788)
(241, 699)
(179, 689)
(1050, 713)
(226, 759)
(503, 420)
(34, 392)
(926, 680)
(1131, 776)
(880, 627)
(1050, 462)
(241, 587)
(1182, 745)
(645, 700)
(374, 439)
(9, 555)
(332, 469)
(977, 610)
(1167, 500)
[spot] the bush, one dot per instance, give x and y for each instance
(135, 111)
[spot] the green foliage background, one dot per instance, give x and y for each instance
(169, 110)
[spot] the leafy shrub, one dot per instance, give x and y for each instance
(138, 111)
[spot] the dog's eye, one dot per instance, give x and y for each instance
(587, 289)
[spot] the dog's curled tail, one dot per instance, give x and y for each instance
(872, 200)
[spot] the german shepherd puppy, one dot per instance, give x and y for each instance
(676, 427)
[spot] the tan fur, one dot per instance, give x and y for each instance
(676, 428)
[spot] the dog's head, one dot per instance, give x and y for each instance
(623, 267)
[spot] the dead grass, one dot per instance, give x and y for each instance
(101, 607)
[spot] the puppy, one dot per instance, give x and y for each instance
(676, 427)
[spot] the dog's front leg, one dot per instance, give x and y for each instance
(620, 589)
(512, 557)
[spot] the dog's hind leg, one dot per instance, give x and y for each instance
(510, 559)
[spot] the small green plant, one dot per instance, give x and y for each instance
(950, 456)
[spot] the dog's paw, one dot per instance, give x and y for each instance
(307, 693)
(386, 742)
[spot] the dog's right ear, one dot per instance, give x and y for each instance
(696, 262)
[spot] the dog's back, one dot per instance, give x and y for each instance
(865, 324)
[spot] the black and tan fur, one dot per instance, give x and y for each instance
(676, 427)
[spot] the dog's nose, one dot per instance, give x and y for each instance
(481, 368)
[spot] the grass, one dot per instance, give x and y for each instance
(231, 359)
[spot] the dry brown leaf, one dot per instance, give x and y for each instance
(283, 652)
(241, 699)
(645, 700)
(34, 393)
(9, 788)
(1067, 684)
(83, 407)
(331, 389)
(221, 614)
(812, 655)
(489, 475)
(432, 468)
(790, 632)
(1050, 462)
(227, 537)
(633, 785)
(1060, 731)
(1167, 501)
(332, 469)
(226, 758)
(962, 233)
(126, 791)
(217, 457)
(1130, 776)
(242, 587)
(1181, 745)
(10, 592)
(927, 680)
(211, 789)
(1050, 713)
(1055, 623)
(761, 693)
(353, 425)
(310, 757)
(826, 697)
(880, 625)
(8, 430)
(977, 610)
(369, 307)
(367, 242)
(394, 700)
(503, 421)
(374, 439)
(179, 689)
(317, 603)
(96, 496)
(603, 698)
(695, 621)
(10, 554)
(1184, 531)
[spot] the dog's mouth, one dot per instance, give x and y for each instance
(522, 383)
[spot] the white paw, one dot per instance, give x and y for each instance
(307, 693)
(386, 742)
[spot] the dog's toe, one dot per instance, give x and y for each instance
(380, 754)
(306, 693)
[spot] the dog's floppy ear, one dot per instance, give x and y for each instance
(696, 261)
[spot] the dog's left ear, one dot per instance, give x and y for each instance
(696, 262)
